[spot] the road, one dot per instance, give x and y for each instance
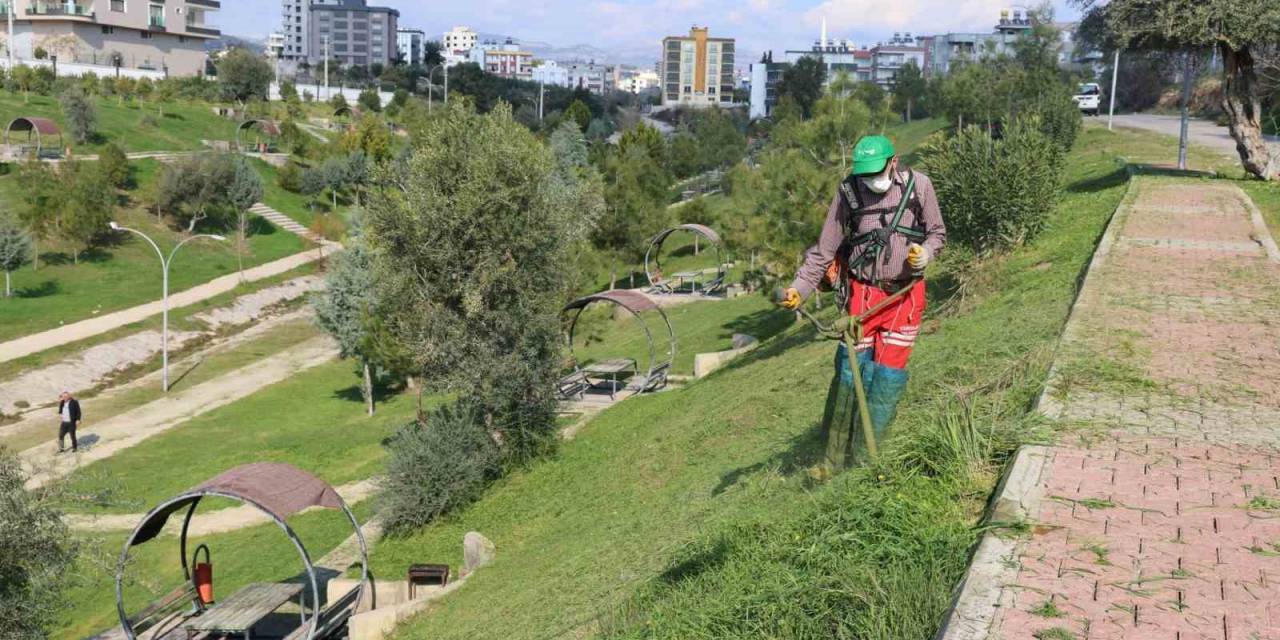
(1202, 132)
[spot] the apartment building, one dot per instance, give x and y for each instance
(409, 43)
(352, 32)
(596, 78)
(697, 70)
(153, 35)
(503, 59)
(461, 38)
(550, 72)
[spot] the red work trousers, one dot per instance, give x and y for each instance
(892, 331)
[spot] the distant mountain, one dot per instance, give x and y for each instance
(256, 45)
(582, 52)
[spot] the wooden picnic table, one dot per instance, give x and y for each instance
(692, 277)
(611, 371)
(244, 609)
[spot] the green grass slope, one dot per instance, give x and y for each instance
(126, 273)
(127, 124)
(690, 514)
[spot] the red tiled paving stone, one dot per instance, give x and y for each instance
(1168, 527)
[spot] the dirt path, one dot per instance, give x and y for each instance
(206, 523)
(101, 440)
(38, 342)
(1158, 517)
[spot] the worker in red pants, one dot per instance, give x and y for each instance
(883, 228)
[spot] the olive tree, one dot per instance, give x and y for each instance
(37, 552)
(1238, 29)
(343, 307)
(470, 238)
(242, 192)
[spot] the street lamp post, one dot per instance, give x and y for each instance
(1115, 72)
(164, 268)
(431, 87)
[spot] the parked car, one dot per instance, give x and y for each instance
(1088, 98)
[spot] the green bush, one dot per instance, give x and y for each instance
(436, 465)
(36, 551)
(1060, 119)
(995, 193)
(289, 177)
(114, 165)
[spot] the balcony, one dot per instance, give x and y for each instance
(196, 29)
(68, 10)
(208, 4)
(155, 23)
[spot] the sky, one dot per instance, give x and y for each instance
(631, 27)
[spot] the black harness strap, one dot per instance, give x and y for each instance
(878, 239)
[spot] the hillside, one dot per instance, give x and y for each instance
(691, 513)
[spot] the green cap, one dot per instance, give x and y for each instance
(871, 154)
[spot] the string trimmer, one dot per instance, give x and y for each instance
(849, 330)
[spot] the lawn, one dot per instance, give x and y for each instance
(314, 420)
(126, 272)
(133, 125)
(690, 513)
(253, 554)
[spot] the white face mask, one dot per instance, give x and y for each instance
(878, 183)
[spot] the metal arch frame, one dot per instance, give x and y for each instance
(196, 496)
(652, 255)
(653, 370)
(245, 125)
(39, 136)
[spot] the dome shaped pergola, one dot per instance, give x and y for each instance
(39, 130)
(661, 283)
(267, 128)
(639, 306)
(276, 489)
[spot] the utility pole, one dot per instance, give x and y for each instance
(9, 45)
(1115, 73)
(446, 82)
(542, 90)
(1186, 106)
(325, 40)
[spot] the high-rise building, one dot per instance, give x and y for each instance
(697, 70)
(350, 31)
(409, 43)
(154, 35)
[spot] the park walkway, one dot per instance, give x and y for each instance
(101, 440)
(1157, 514)
(66, 334)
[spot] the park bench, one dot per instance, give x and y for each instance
(165, 607)
(331, 618)
(573, 385)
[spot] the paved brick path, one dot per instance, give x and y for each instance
(1158, 516)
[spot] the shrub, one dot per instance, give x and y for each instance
(1060, 119)
(436, 465)
(995, 193)
(369, 101)
(36, 553)
(80, 114)
(289, 177)
(114, 165)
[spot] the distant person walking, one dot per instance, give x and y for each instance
(69, 413)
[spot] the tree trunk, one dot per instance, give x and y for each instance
(1244, 111)
(368, 388)
(1185, 112)
(35, 253)
(244, 222)
(8, 291)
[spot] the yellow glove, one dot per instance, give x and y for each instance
(917, 256)
(791, 300)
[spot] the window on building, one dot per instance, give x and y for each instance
(117, 5)
(146, 35)
(108, 30)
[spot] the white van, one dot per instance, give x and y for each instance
(1088, 98)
